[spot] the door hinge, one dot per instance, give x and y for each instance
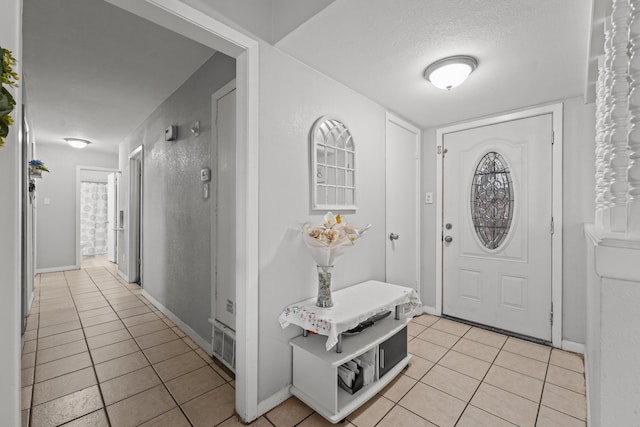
(553, 226)
(553, 137)
(551, 315)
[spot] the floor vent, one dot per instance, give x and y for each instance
(224, 345)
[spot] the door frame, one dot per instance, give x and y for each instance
(79, 170)
(135, 229)
(556, 111)
(392, 118)
(196, 25)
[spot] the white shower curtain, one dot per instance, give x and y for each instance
(93, 218)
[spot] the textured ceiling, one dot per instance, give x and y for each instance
(94, 71)
(530, 52)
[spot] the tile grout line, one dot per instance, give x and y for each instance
(150, 364)
(481, 382)
(544, 382)
(35, 363)
(93, 365)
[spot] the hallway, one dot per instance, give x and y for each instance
(97, 353)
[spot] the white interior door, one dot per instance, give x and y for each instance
(111, 217)
(224, 108)
(402, 204)
(497, 225)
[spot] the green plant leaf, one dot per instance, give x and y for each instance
(5, 92)
(5, 106)
(4, 129)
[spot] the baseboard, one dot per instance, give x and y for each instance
(206, 346)
(30, 304)
(56, 269)
(273, 401)
(574, 347)
(123, 276)
(429, 310)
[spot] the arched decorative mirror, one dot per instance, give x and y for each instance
(333, 171)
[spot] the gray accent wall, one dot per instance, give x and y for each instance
(56, 221)
(176, 243)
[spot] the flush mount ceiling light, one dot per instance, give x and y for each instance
(450, 72)
(77, 143)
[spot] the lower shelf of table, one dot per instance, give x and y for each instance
(350, 402)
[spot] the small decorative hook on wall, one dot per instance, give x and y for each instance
(195, 129)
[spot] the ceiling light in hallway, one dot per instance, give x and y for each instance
(77, 143)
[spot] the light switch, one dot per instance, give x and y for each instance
(428, 198)
(47, 201)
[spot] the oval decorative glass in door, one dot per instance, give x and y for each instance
(492, 200)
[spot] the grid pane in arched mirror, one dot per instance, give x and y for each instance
(492, 200)
(333, 165)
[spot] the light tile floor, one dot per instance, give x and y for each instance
(97, 353)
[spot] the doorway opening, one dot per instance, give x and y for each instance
(93, 221)
(192, 23)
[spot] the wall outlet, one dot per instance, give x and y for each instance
(428, 198)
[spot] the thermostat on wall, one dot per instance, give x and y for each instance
(205, 174)
(170, 133)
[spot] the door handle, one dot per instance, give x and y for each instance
(448, 239)
(393, 236)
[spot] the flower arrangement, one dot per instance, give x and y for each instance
(7, 77)
(327, 241)
(36, 167)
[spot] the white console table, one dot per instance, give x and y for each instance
(315, 368)
(351, 306)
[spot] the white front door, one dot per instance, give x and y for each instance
(402, 228)
(497, 225)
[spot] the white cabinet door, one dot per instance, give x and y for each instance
(497, 210)
(224, 110)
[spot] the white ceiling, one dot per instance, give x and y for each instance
(94, 71)
(530, 52)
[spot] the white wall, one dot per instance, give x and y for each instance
(292, 97)
(176, 247)
(287, 15)
(87, 175)
(613, 340)
(10, 161)
(578, 207)
(269, 20)
(56, 222)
